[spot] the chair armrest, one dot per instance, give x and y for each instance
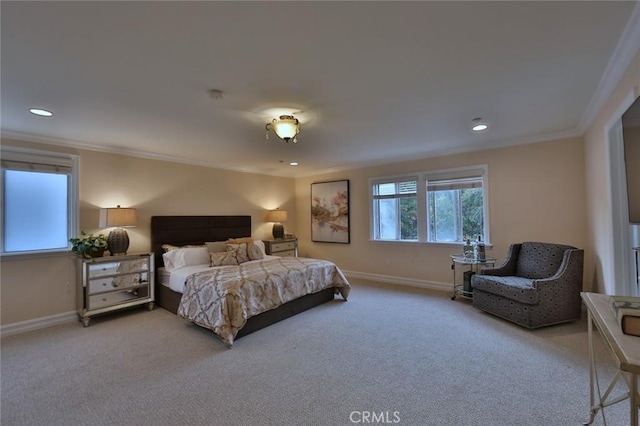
(508, 267)
(569, 275)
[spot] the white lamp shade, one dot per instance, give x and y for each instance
(118, 217)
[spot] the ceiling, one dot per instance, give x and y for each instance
(372, 82)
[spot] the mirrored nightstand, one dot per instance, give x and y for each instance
(283, 247)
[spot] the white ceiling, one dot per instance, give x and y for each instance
(372, 82)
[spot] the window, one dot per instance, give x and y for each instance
(39, 201)
(395, 209)
(446, 206)
(456, 209)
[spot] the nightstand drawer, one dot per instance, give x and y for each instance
(283, 246)
(101, 285)
(114, 268)
(101, 269)
(116, 298)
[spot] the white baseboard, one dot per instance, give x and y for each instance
(389, 279)
(38, 323)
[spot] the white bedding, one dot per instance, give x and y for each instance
(175, 280)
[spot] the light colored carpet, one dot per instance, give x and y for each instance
(413, 355)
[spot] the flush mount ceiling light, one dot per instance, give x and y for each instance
(216, 94)
(478, 125)
(41, 112)
(286, 127)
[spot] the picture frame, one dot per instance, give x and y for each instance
(330, 218)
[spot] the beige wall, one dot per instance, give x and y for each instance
(598, 178)
(40, 287)
(536, 193)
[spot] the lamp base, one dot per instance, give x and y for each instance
(278, 231)
(118, 241)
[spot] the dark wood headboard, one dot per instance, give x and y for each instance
(182, 230)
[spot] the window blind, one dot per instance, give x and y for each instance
(401, 187)
(452, 184)
(35, 167)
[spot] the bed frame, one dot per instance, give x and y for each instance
(183, 230)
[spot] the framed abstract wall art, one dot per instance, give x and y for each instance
(330, 212)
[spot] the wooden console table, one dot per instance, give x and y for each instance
(626, 349)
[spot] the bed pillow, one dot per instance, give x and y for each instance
(216, 246)
(223, 258)
(254, 251)
(260, 244)
(240, 240)
(170, 247)
(239, 251)
(179, 258)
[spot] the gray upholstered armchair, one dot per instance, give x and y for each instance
(538, 284)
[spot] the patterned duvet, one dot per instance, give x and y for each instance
(223, 298)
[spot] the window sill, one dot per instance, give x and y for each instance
(4, 257)
(427, 244)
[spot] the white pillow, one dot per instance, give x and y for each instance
(179, 258)
(260, 244)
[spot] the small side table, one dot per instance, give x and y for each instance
(475, 265)
(624, 347)
(111, 283)
(285, 247)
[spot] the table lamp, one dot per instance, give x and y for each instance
(118, 217)
(277, 216)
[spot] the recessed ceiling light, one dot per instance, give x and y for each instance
(293, 163)
(479, 125)
(41, 112)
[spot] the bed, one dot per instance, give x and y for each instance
(317, 281)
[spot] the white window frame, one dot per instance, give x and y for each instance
(46, 159)
(374, 212)
(422, 178)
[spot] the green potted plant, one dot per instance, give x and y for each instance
(89, 245)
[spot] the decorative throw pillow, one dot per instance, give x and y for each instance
(254, 251)
(260, 244)
(223, 258)
(239, 251)
(240, 240)
(216, 246)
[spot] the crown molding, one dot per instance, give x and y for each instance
(48, 140)
(449, 151)
(625, 50)
(152, 156)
